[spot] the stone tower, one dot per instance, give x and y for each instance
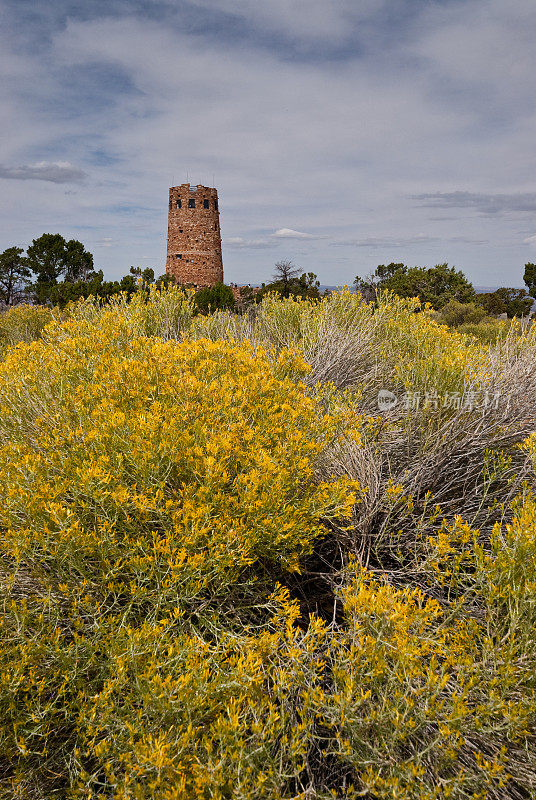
(194, 240)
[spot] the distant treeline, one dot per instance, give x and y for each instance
(55, 271)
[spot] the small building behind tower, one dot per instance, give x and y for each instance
(194, 239)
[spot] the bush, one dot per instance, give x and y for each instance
(488, 331)
(214, 298)
(226, 573)
(163, 311)
(147, 489)
(456, 314)
(22, 324)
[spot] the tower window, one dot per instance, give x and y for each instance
(191, 203)
(178, 203)
(215, 205)
(180, 230)
(215, 226)
(205, 203)
(179, 255)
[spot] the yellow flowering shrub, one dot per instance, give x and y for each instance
(422, 353)
(221, 718)
(166, 312)
(186, 504)
(427, 702)
(142, 483)
(390, 343)
(22, 324)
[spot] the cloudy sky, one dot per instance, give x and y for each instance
(340, 134)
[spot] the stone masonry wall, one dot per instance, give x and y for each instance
(194, 239)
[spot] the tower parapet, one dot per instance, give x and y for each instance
(194, 238)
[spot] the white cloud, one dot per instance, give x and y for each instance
(238, 243)
(300, 19)
(530, 239)
(338, 146)
(107, 241)
(487, 204)
(55, 172)
(288, 233)
(387, 241)
(486, 43)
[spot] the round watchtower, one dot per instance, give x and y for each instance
(194, 239)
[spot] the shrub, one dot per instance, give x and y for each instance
(147, 489)
(455, 313)
(22, 324)
(163, 311)
(488, 331)
(225, 573)
(214, 298)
